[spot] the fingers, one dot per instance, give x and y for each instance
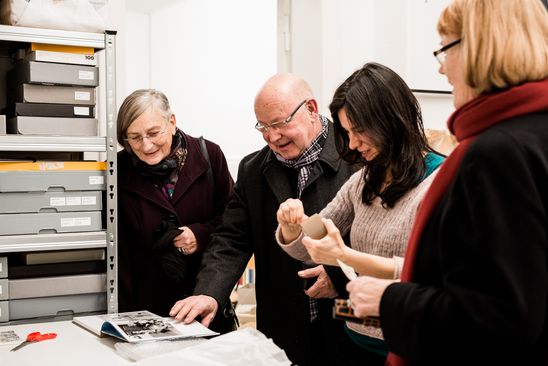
(187, 310)
(291, 212)
(186, 242)
(311, 246)
(181, 309)
(330, 226)
(323, 287)
(313, 291)
(325, 250)
(366, 293)
(322, 292)
(310, 272)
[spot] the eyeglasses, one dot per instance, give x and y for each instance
(153, 136)
(441, 54)
(281, 124)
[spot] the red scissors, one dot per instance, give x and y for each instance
(35, 337)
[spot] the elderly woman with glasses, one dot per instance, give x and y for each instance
(474, 287)
(172, 192)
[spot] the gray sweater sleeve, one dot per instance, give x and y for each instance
(295, 249)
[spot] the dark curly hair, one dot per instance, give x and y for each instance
(379, 104)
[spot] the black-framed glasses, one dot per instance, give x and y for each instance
(152, 136)
(441, 54)
(262, 128)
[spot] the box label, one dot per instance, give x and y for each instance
(86, 75)
(57, 201)
(75, 221)
(89, 200)
(80, 95)
(81, 111)
(74, 201)
(96, 179)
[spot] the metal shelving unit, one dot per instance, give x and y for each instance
(52, 143)
(11, 38)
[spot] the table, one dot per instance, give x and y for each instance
(73, 346)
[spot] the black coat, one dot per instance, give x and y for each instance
(479, 294)
(143, 281)
(248, 227)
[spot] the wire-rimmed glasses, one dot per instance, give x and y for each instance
(263, 128)
(152, 136)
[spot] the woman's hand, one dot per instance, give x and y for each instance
(290, 215)
(365, 295)
(186, 242)
(328, 249)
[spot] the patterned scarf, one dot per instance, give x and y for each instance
(304, 162)
(466, 123)
(178, 153)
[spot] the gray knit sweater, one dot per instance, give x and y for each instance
(373, 228)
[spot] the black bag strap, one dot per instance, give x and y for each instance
(209, 170)
(228, 312)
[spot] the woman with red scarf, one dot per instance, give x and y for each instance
(474, 286)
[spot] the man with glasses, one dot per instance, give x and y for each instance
(300, 161)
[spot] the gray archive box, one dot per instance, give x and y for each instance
(35, 93)
(4, 311)
(33, 202)
(33, 72)
(56, 305)
(2, 124)
(41, 181)
(57, 286)
(63, 222)
(3, 267)
(4, 289)
(48, 126)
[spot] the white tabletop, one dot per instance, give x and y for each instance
(73, 346)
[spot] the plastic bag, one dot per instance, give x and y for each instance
(74, 15)
(243, 347)
(141, 350)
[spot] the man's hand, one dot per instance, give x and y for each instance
(323, 287)
(188, 309)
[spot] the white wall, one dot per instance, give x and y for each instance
(331, 39)
(137, 52)
(210, 57)
(422, 68)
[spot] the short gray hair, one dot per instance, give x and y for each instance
(136, 104)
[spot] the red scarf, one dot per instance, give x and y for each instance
(466, 123)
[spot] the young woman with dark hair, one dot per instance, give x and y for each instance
(378, 125)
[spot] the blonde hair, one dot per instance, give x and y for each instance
(136, 104)
(504, 42)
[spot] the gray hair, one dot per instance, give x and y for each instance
(136, 104)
